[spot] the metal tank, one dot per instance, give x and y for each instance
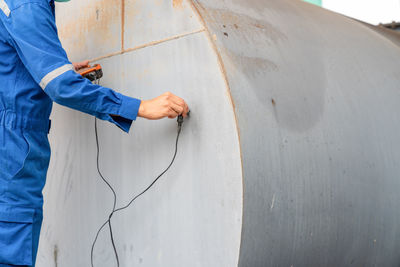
(290, 157)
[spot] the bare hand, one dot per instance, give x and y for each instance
(81, 65)
(166, 105)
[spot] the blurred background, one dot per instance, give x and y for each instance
(371, 11)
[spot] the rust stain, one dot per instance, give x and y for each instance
(132, 9)
(162, 40)
(135, 13)
(177, 4)
(94, 21)
(146, 45)
(106, 56)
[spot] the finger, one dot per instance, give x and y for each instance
(76, 68)
(178, 109)
(83, 64)
(172, 114)
(183, 106)
(177, 100)
(185, 110)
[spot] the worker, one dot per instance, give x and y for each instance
(34, 72)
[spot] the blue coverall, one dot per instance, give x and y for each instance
(34, 72)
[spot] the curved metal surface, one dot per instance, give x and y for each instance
(312, 95)
(192, 217)
(316, 98)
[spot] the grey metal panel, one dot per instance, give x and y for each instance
(192, 217)
(101, 28)
(89, 28)
(316, 97)
(151, 20)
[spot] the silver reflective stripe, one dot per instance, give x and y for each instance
(54, 74)
(4, 8)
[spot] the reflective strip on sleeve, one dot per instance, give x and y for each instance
(54, 74)
(4, 8)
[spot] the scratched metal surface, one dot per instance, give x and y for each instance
(316, 97)
(193, 215)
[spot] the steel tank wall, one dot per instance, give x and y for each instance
(294, 109)
(316, 97)
(192, 217)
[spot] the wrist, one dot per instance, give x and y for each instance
(141, 110)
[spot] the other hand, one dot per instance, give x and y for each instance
(81, 65)
(166, 105)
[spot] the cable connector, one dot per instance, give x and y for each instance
(180, 120)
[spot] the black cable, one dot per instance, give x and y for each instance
(112, 238)
(114, 196)
(114, 201)
(180, 121)
(159, 176)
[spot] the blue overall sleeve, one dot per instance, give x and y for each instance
(33, 33)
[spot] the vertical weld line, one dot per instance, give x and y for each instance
(195, 7)
(122, 25)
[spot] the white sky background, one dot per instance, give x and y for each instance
(371, 11)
